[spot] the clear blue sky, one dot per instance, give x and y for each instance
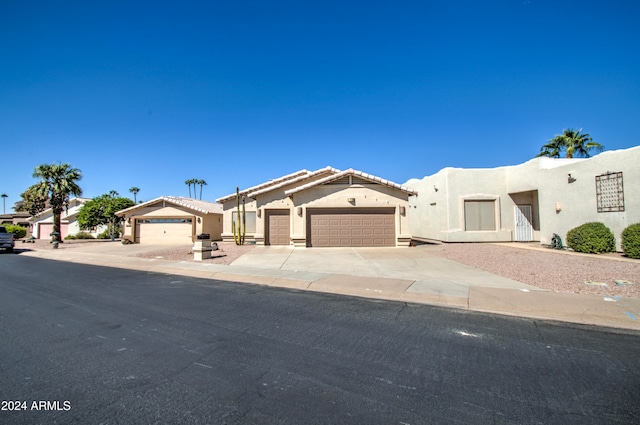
(150, 94)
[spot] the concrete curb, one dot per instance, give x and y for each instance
(617, 312)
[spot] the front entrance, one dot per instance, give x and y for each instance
(278, 228)
(523, 220)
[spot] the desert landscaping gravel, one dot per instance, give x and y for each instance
(545, 268)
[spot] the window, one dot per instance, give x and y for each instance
(164, 220)
(479, 215)
(249, 220)
(610, 192)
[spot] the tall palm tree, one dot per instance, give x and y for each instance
(4, 196)
(190, 182)
(201, 183)
(57, 183)
(135, 191)
(573, 142)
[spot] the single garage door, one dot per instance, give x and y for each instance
(278, 227)
(164, 230)
(45, 229)
(351, 227)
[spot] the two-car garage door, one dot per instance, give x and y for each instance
(351, 227)
(164, 230)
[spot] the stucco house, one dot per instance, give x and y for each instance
(42, 224)
(529, 201)
(171, 220)
(323, 208)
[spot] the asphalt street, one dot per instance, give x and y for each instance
(103, 345)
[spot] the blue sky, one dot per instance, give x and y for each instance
(150, 94)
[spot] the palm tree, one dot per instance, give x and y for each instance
(190, 182)
(4, 209)
(135, 191)
(201, 183)
(573, 142)
(57, 183)
(113, 193)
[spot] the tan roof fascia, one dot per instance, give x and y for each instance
(266, 184)
(192, 204)
(294, 180)
(351, 171)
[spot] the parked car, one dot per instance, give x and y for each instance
(6, 239)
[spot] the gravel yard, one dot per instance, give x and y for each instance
(545, 268)
(226, 253)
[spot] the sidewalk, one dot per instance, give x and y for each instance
(399, 274)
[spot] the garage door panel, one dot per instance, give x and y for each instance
(278, 227)
(349, 227)
(161, 233)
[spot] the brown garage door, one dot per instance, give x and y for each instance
(278, 228)
(351, 227)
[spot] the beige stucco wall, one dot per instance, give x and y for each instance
(202, 223)
(541, 182)
(323, 196)
(439, 214)
(578, 200)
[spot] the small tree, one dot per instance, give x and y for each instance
(101, 211)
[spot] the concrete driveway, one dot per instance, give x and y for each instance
(428, 272)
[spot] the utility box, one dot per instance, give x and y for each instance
(202, 249)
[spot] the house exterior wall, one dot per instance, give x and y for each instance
(577, 201)
(322, 196)
(203, 223)
(67, 218)
(558, 205)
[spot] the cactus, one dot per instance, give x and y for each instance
(239, 230)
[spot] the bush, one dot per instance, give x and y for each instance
(591, 238)
(18, 231)
(631, 241)
(80, 235)
(107, 235)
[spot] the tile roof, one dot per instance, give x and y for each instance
(293, 180)
(190, 203)
(266, 184)
(351, 171)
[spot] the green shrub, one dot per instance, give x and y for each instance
(107, 235)
(18, 231)
(80, 235)
(591, 238)
(631, 241)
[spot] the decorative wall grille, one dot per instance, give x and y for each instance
(610, 192)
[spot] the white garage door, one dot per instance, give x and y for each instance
(45, 229)
(164, 230)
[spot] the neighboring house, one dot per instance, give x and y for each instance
(20, 218)
(172, 220)
(528, 202)
(42, 224)
(323, 208)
